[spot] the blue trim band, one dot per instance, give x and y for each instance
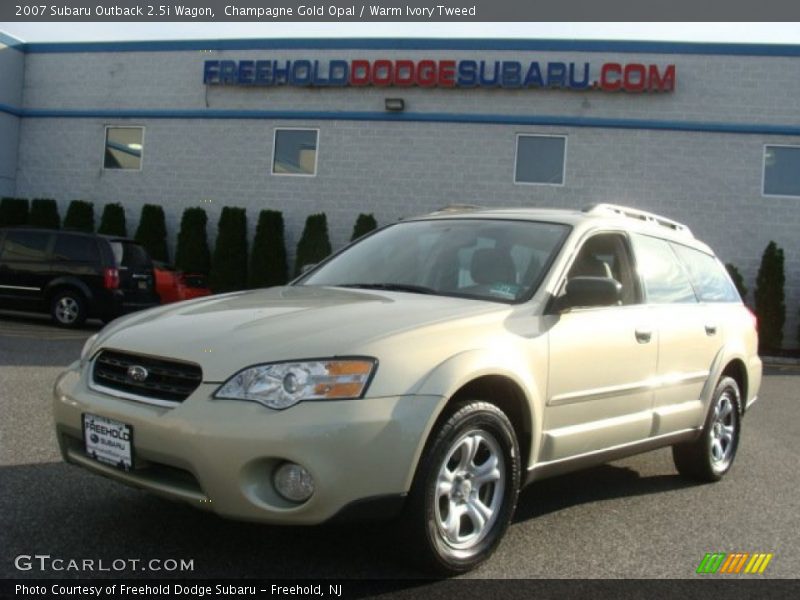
(11, 110)
(482, 118)
(420, 44)
(12, 42)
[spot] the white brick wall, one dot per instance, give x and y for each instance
(11, 72)
(711, 181)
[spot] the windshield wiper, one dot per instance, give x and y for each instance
(392, 287)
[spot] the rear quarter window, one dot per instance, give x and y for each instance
(130, 255)
(708, 276)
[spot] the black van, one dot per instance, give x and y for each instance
(73, 275)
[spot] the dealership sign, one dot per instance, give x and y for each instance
(606, 77)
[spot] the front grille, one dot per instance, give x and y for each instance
(165, 380)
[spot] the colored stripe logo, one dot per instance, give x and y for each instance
(734, 563)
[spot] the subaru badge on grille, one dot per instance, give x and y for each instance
(137, 373)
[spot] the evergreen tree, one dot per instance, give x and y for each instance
(364, 224)
(314, 244)
(13, 211)
(268, 265)
(44, 213)
(112, 222)
(152, 232)
(192, 254)
(769, 295)
(80, 216)
(229, 263)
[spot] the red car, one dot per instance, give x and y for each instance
(174, 286)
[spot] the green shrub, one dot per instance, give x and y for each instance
(192, 254)
(44, 213)
(314, 244)
(769, 295)
(152, 232)
(80, 216)
(738, 280)
(364, 224)
(229, 263)
(13, 211)
(268, 265)
(112, 222)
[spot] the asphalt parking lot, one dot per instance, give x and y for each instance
(634, 518)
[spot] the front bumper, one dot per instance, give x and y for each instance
(220, 454)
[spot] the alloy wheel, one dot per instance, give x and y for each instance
(469, 489)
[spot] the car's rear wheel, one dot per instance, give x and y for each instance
(465, 490)
(68, 308)
(710, 457)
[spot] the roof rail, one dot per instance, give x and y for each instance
(455, 208)
(641, 215)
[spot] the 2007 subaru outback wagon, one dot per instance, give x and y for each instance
(428, 371)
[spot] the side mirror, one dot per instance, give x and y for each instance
(592, 291)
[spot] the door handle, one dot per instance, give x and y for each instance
(643, 336)
(711, 329)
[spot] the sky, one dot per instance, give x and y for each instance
(778, 33)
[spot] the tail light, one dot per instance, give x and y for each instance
(111, 278)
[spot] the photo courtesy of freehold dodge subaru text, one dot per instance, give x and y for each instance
(426, 373)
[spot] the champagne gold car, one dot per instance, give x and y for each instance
(427, 372)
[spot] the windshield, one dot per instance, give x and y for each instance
(484, 259)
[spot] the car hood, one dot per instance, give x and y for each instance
(227, 333)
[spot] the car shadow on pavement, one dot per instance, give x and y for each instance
(603, 482)
(65, 512)
(21, 319)
(62, 511)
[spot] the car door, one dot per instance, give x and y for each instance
(690, 337)
(602, 359)
(25, 266)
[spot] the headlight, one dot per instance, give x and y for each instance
(281, 385)
(87, 349)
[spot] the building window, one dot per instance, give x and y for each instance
(782, 170)
(294, 152)
(541, 159)
(124, 148)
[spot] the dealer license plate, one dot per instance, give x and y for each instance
(108, 441)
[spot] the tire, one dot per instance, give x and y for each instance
(68, 308)
(477, 441)
(710, 457)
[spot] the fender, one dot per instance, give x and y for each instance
(67, 281)
(734, 349)
(457, 371)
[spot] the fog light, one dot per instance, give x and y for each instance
(293, 482)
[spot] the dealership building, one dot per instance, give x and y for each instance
(707, 134)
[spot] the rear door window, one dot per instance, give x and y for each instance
(25, 246)
(665, 280)
(76, 248)
(708, 276)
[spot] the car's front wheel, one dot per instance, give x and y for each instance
(465, 490)
(711, 455)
